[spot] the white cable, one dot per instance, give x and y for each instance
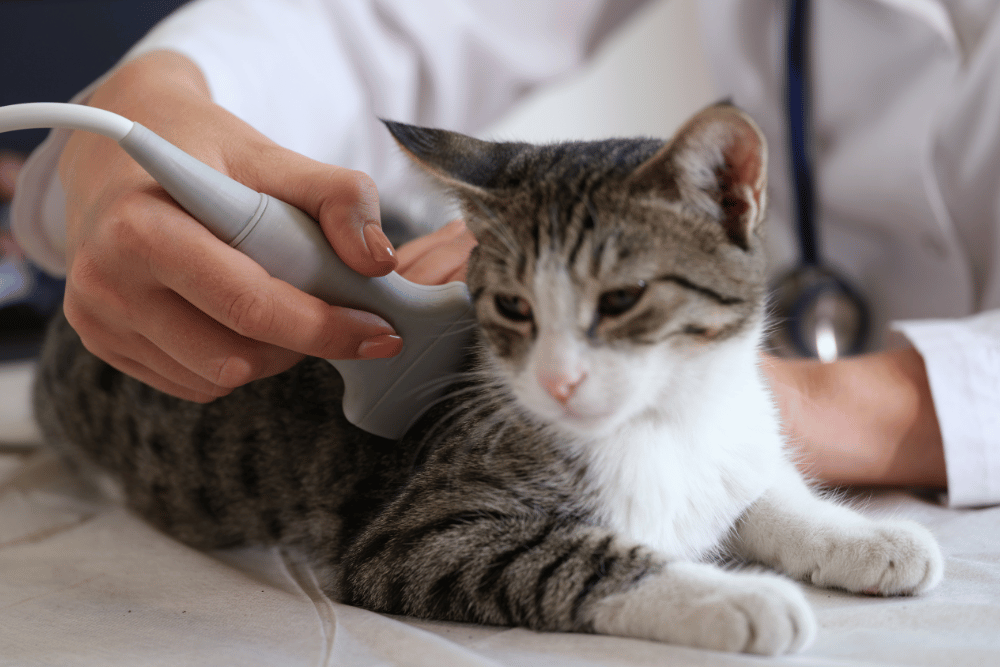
(70, 116)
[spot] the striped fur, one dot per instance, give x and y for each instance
(611, 434)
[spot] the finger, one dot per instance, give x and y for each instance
(442, 263)
(205, 347)
(457, 275)
(150, 377)
(412, 251)
(133, 355)
(235, 291)
(345, 202)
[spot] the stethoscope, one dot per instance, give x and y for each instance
(818, 313)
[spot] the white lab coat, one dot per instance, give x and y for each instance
(907, 123)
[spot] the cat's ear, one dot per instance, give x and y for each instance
(716, 162)
(457, 160)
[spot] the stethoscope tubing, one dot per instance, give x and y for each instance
(797, 98)
(812, 280)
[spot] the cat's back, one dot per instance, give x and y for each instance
(273, 461)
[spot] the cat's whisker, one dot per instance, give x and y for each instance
(434, 386)
(502, 406)
(443, 424)
(480, 376)
(592, 210)
(500, 256)
(495, 226)
(554, 226)
(444, 421)
(603, 240)
(497, 254)
(457, 331)
(502, 411)
(578, 261)
(609, 252)
(500, 231)
(502, 416)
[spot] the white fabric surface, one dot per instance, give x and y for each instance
(83, 582)
(16, 423)
(87, 583)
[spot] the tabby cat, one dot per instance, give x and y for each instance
(611, 440)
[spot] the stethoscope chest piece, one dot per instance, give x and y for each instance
(817, 313)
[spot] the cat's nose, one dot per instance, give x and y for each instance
(562, 387)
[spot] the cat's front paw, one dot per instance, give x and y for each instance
(704, 607)
(881, 558)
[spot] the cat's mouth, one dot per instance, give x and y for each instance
(584, 421)
(580, 415)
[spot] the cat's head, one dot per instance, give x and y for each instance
(609, 275)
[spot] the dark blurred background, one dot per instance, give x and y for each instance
(49, 51)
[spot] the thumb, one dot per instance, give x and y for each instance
(345, 202)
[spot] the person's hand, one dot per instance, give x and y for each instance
(866, 420)
(156, 295)
(439, 257)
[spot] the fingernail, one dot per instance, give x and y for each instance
(379, 347)
(378, 245)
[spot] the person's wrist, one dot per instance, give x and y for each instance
(865, 420)
(152, 76)
(919, 451)
(166, 93)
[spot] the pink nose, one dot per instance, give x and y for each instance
(562, 387)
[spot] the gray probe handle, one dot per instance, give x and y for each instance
(382, 396)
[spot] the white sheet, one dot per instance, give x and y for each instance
(84, 582)
(16, 424)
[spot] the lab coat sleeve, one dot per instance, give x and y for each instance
(316, 75)
(962, 357)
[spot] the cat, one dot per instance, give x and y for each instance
(610, 442)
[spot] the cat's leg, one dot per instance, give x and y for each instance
(700, 605)
(817, 540)
(556, 576)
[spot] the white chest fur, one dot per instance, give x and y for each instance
(679, 485)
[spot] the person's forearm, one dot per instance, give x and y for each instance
(154, 72)
(866, 420)
(162, 90)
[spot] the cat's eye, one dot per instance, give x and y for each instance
(617, 301)
(514, 308)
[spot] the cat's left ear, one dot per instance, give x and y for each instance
(457, 160)
(716, 162)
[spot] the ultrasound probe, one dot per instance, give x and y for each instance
(381, 396)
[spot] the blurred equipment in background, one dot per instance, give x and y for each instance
(51, 50)
(817, 312)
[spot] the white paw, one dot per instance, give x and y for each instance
(704, 607)
(881, 558)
